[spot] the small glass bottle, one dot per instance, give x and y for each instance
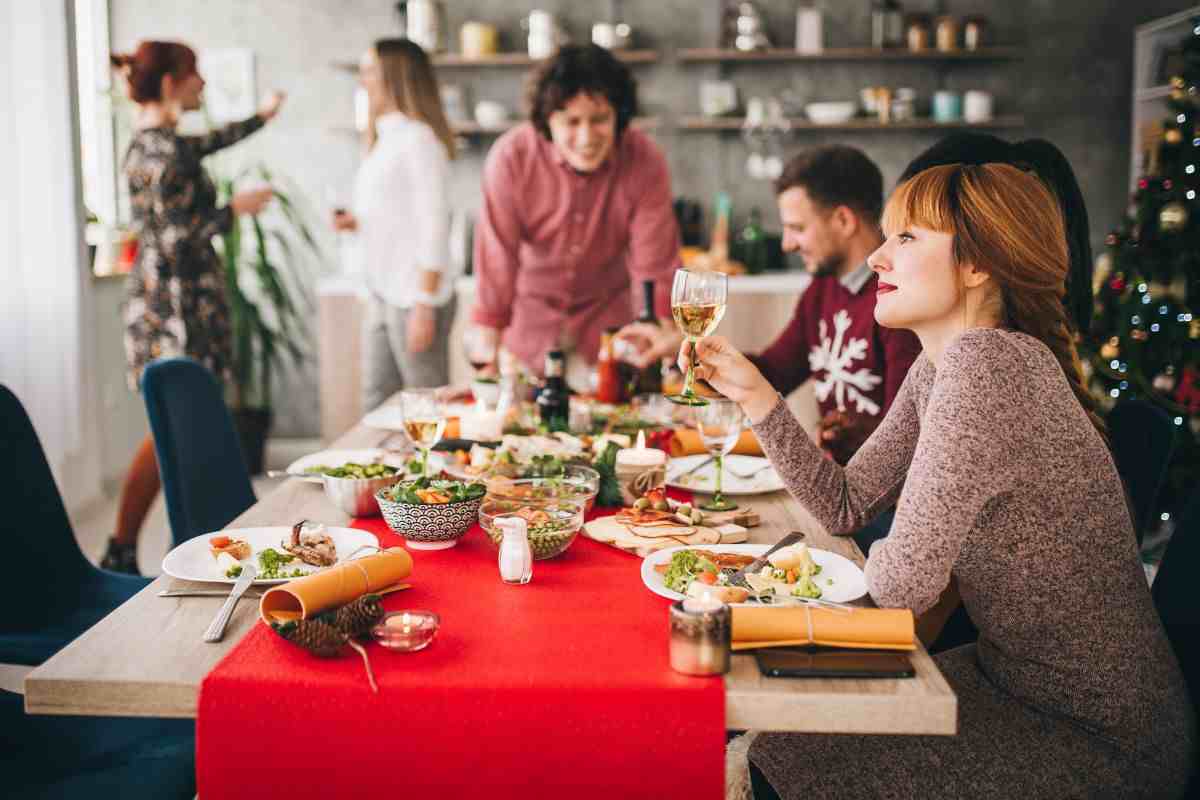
(516, 557)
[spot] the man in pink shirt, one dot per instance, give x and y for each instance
(576, 211)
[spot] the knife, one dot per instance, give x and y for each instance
(738, 577)
(203, 593)
(217, 629)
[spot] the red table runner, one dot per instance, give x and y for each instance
(561, 684)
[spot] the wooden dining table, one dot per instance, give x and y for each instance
(147, 659)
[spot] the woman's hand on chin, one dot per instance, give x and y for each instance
(731, 374)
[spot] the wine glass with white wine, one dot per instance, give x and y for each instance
(424, 420)
(697, 304)
(720, 424)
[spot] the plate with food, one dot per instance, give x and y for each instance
(791, 575)
(371, 462)
(279, 553)
(391, 417)
(531, 456)
(742, 475)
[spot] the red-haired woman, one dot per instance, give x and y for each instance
(1003, 482)
(176, 296)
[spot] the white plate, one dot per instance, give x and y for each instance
(849, 583)
(192, 561)
(391, 417)
(705, 480)
(336, 458)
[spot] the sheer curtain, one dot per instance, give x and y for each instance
(45, 307)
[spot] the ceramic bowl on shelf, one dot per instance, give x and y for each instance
(831, 113)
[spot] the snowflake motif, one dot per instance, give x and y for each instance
(835, 360)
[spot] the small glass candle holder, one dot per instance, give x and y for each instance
(701, 629)
(407, 631)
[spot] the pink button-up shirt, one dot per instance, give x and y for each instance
(557, 251)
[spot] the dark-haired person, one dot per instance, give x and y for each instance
(1049, 164)
(829, 203)
(576, 210)
(997, 460)
(175, 304)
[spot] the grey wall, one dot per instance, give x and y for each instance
(1073, 88)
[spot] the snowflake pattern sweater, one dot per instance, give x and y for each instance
(833, 337)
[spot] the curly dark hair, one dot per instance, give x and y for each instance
(836, 175)
(590, 69)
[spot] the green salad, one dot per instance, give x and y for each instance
(433, 491)
(352, 470)
(270, 566)
(685, 566)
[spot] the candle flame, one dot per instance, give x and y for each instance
(641, 442)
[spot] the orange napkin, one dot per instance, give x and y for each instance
(873, 628)
(686, 442)
(305, 597)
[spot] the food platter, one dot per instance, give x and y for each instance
(192, 560)
(840, 579)
(372, 455)
(763, 477)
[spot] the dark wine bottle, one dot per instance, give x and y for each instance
(649, 380)
(554, 400)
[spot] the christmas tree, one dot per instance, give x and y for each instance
(1145, 338)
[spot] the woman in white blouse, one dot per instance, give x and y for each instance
(401, 213)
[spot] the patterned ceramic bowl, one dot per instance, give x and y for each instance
(429, 526)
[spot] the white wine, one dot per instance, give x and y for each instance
(425, 432)
(697, 320)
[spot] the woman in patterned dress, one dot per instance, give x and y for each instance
(175, 304)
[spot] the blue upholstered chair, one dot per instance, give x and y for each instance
(56, 593)
(204, 477)
(1141, 436)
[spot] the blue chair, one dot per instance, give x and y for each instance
(57, 593)
(1141, 436)
(204, 477)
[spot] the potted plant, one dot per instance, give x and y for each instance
(266, 281)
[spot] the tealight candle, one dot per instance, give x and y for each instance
(640, 469)
(701, 628)
(407, 631)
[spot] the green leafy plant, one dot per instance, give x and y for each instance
(266, 281)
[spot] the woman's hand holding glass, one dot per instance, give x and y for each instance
(731, 374)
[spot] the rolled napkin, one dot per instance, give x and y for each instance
(686, 442)
(305, 597)
(871, 628)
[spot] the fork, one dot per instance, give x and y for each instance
(738, 577)
(751, 473)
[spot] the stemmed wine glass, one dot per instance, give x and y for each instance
(720, 422)
(697, 304)
(482, 351)
(424, 420)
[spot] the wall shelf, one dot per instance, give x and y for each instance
(1154, 93)
(475, 129)
(712, 54)
(456, 60)
(698, 123)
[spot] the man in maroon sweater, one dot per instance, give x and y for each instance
(830, 200)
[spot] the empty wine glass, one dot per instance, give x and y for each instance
(719, 423)
(697, 304)
(424, 420)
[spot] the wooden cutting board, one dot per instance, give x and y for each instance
(642, 541)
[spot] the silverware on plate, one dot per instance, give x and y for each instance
(217, 629)
(205, 593)
(693, 470)
(738, 577)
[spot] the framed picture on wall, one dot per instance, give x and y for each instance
(229, 91)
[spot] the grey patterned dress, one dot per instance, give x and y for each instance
(1072, 690)
(175, 298)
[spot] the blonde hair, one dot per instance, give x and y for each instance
(1008, 224)
(408, 77)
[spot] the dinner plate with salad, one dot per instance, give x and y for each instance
(792, 574)
(361, 463)
(278, 553)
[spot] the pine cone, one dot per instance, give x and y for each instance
(316, 637)
(357, 618)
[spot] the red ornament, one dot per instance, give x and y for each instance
(1111, 240)
(1143, 183)
(1188, 392)
(1117, 284)
(1167, 184)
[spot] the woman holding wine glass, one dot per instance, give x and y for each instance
(401, 215)
(1004, 483)
(697, 304)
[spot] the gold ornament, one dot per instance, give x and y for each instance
(1110, 349)
(1173, 136)
(1173, 217)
